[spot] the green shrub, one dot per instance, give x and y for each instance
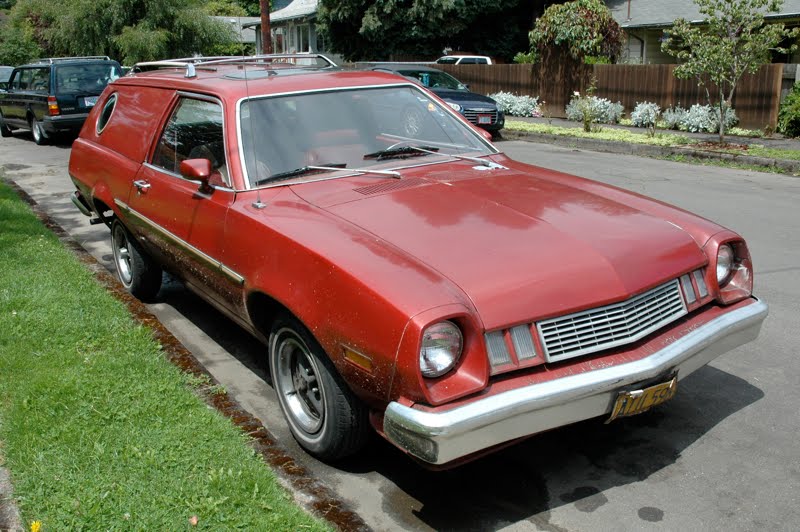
(789, 115)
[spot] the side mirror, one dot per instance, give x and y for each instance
(198, 170)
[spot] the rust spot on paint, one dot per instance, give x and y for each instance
(323, 502)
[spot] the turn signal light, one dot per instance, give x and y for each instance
(52, 106)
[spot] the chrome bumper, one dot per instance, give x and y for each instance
(443, 436)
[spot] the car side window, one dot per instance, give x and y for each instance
(40, 79)
(480, 61)
(24, 77)
(194, 131)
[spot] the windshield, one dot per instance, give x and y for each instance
(358, 128)
(91, 78)
(434, 79)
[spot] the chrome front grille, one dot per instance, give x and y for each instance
(612, 325)
(472, 114)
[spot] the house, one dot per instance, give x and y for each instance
(293, 28)
(241, 27)
(644, 21)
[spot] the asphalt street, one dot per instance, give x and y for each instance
(722, 455)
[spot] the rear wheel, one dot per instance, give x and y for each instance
(39, 136)
(325, 418)
(139, 274)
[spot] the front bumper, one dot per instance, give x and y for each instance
(442, 436)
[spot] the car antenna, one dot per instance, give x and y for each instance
(257, 204)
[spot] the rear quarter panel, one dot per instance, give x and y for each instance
(104, 165)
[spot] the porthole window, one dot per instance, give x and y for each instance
(105, 114)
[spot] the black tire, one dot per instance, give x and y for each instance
(325, 418)
(137, 272)
(5, 131)
(39, 136)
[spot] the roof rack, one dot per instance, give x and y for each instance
(191, 64)
(52, 60)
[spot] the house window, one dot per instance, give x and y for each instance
(302, 38)
(278, 40)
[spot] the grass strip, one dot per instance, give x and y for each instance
(660, 139)
(98, 430)
(722, 163)
(612, 134)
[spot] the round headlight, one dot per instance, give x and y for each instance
(725, 260)
(455, 107)
(441, 346)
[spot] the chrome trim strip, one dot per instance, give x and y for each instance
(442, 436)
(209, 260)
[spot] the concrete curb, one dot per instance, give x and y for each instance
(787, 166)
(9, 513)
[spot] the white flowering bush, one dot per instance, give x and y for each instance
(673, 117)
(705, 119)
(593, 109)
(730, 119)
(646, 115)
(514, 105)
(698, 119)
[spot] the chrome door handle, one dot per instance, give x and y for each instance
(141, 185)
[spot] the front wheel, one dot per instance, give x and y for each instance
(325, 418)
(139, 274)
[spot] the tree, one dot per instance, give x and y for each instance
(583, 28)
(378, 29)
(731, 41)
(129, 30)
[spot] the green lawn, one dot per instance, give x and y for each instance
(98, 430)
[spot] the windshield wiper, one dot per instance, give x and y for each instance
(401, 152)
(485, 162)
(301, 171)
(332, 168)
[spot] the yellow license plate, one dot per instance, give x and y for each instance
(632, 402)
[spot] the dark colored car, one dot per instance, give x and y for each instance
(477, 108)
(54, 95)
(5, 73)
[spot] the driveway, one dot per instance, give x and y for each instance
(722, 455)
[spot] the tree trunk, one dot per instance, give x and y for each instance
(266, 33)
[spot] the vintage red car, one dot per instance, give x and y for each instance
(402, 272)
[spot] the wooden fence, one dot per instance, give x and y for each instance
(757, 98)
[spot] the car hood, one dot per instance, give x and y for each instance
(520, 247)
(464, 97)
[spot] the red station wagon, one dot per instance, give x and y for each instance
(402, 272)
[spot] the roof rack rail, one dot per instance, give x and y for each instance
(191, 64)
(52, 60)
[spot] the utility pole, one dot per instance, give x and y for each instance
(266, 34)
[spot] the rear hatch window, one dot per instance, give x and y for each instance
(78, 86)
